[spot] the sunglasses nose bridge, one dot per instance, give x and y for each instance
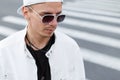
(55, 18)
(54, 21)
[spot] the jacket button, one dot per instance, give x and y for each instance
(48, 54)
(5, 76)
(43, 78)
(51, 51)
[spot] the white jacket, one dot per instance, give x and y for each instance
(16, 62)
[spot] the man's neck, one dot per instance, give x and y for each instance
(36, 42)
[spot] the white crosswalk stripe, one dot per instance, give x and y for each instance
(92, 37)
(6, 31)
(93, 17)
(104, 60)
(101, 5)
(14, 20)
(91, 11)
(93, 25)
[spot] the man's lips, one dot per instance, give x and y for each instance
(50, 30)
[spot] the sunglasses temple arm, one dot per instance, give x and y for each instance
(35, 12)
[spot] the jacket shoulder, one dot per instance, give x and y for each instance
(62, 37)
(11, 40)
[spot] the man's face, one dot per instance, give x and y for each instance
(34, 16)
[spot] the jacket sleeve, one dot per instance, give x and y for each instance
(79, 65)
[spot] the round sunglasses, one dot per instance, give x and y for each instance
(47, 18)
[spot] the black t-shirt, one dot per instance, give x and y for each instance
(43, 68)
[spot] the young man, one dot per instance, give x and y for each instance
(39, 52)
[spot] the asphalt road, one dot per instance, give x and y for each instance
(94, 24)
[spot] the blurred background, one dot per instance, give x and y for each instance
(94, 24)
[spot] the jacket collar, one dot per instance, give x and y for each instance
(23, 43)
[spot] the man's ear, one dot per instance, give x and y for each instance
(25, 12)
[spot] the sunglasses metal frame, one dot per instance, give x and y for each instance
(54, 16)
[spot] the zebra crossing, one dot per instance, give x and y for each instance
(94, 21)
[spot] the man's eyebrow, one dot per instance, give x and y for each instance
(50, 12)
(59, 12)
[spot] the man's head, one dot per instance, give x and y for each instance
(43, 16)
